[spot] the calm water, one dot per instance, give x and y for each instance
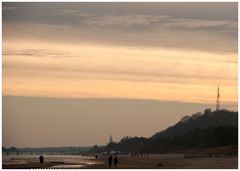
(23, 159)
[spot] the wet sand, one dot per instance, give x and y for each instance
(50, 161)
(46, 165)
(30, 165)
(170, 161)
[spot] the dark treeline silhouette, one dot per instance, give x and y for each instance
(198, 138)
(201, 130)
(11, 149)
(200, 120)
(4, 149)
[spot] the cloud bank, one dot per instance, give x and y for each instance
(116, 24)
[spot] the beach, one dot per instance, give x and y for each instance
(152, 161)
(169, 161)
(30, 165)
(50, 161)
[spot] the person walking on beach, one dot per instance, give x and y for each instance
(115, 160)
(110, 161)
(41, 159)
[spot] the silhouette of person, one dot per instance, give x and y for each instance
(41, 159)
(115, 161)
(96, 157)
(110, 161)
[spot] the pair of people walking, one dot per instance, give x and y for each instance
(110, 160)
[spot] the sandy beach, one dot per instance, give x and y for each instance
(161, 161)
(170, 161)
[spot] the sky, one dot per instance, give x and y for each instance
(70, 63)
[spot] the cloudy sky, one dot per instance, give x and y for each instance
(165, 52)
